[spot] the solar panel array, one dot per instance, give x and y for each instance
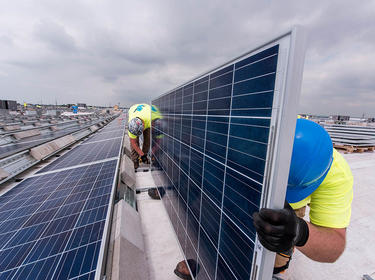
(214, 152)
(53, 225)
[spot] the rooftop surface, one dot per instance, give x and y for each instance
(163, 251)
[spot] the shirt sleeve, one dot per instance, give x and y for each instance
(132, 136)
(330, 204)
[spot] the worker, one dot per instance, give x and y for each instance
(140, 118)
(320, 178)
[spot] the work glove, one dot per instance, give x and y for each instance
(144, 159)
(280, 230)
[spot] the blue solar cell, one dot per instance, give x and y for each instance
(223, 80)
(213, 152)
(264, 83)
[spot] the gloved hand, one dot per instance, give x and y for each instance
(280, 230)
(144, 159)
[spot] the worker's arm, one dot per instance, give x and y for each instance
(324, 244)
(135, 146)
(280, 230)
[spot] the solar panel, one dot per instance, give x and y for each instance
(225, 150)
(103, 145)
(86, 153)
(105, 136)
(52, 225)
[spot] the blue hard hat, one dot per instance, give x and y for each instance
(311, 160)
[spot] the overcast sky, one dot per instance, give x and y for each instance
(105, 52)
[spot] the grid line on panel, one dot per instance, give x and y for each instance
(101, 140)
(203, 166)
(180, 170)
(254, 78)
(189, 168)
(247, 154)
(73, 167)
(255, 62)
(225, 171)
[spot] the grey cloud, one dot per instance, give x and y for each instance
(55, 36)
(6, 40)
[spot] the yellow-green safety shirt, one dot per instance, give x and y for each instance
(146, 113)
(330, 203)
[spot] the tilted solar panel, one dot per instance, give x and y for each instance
(86, 153)
(52, 225)
(90, 151)
(101, 136)
(224, 144)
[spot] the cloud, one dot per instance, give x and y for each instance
(133, 51)
(55, 36)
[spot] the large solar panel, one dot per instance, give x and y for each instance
(52, 225)
(224, 144)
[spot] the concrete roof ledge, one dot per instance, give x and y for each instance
(129, 260)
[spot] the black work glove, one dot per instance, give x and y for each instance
(280, 230)
(144, 159)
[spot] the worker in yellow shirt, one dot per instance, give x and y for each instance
(140, 118)
(320, 178)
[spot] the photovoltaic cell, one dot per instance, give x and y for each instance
(52, 225)
(213, 152)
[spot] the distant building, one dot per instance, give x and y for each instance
(82, 105)
(340, 118)
(10, 105)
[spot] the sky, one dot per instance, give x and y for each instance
(118, 51)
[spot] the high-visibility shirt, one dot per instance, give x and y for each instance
(145, 112)
(330, 203)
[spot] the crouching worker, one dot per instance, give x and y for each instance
(140, 118)
(320, 178)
